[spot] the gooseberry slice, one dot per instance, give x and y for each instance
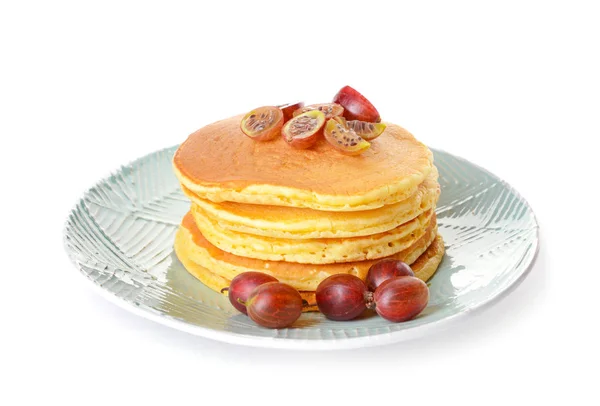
(344, 139)
(367, 131)
(329, 109)
(288, 109)
(303, 130)
(263, 123)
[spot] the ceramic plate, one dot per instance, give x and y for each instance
(120, 236)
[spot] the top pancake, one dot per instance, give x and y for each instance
(219, 163)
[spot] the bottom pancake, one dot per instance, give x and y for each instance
(215, 268)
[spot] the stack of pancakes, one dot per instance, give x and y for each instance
(303, 215)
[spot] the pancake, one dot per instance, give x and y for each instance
(292, 223)
(219, 163)
(192, 247)
(313, 251)
(424, 267)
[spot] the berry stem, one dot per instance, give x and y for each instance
(369, 300)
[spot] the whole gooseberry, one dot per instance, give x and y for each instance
(243, 284)
(342, 297)
(384, 270)
(274, 305)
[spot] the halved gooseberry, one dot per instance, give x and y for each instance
(343, 139)
(329, 109)
(341, 120)
(303, 130)
(356, 106)
(368, 131)
(263, 123)
(288, 109)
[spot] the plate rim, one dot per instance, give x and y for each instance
(229, 337)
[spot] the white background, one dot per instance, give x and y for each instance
(87, 87)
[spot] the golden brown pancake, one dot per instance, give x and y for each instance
(316, 250)
(191, 246)
(219, 163)
(299, 223)
(426, 265)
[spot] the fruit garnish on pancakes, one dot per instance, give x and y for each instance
(329, 109)
(344, 139)
(263, 123)
(356, 106)
(303, 130)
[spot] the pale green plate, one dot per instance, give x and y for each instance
(120, 235)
